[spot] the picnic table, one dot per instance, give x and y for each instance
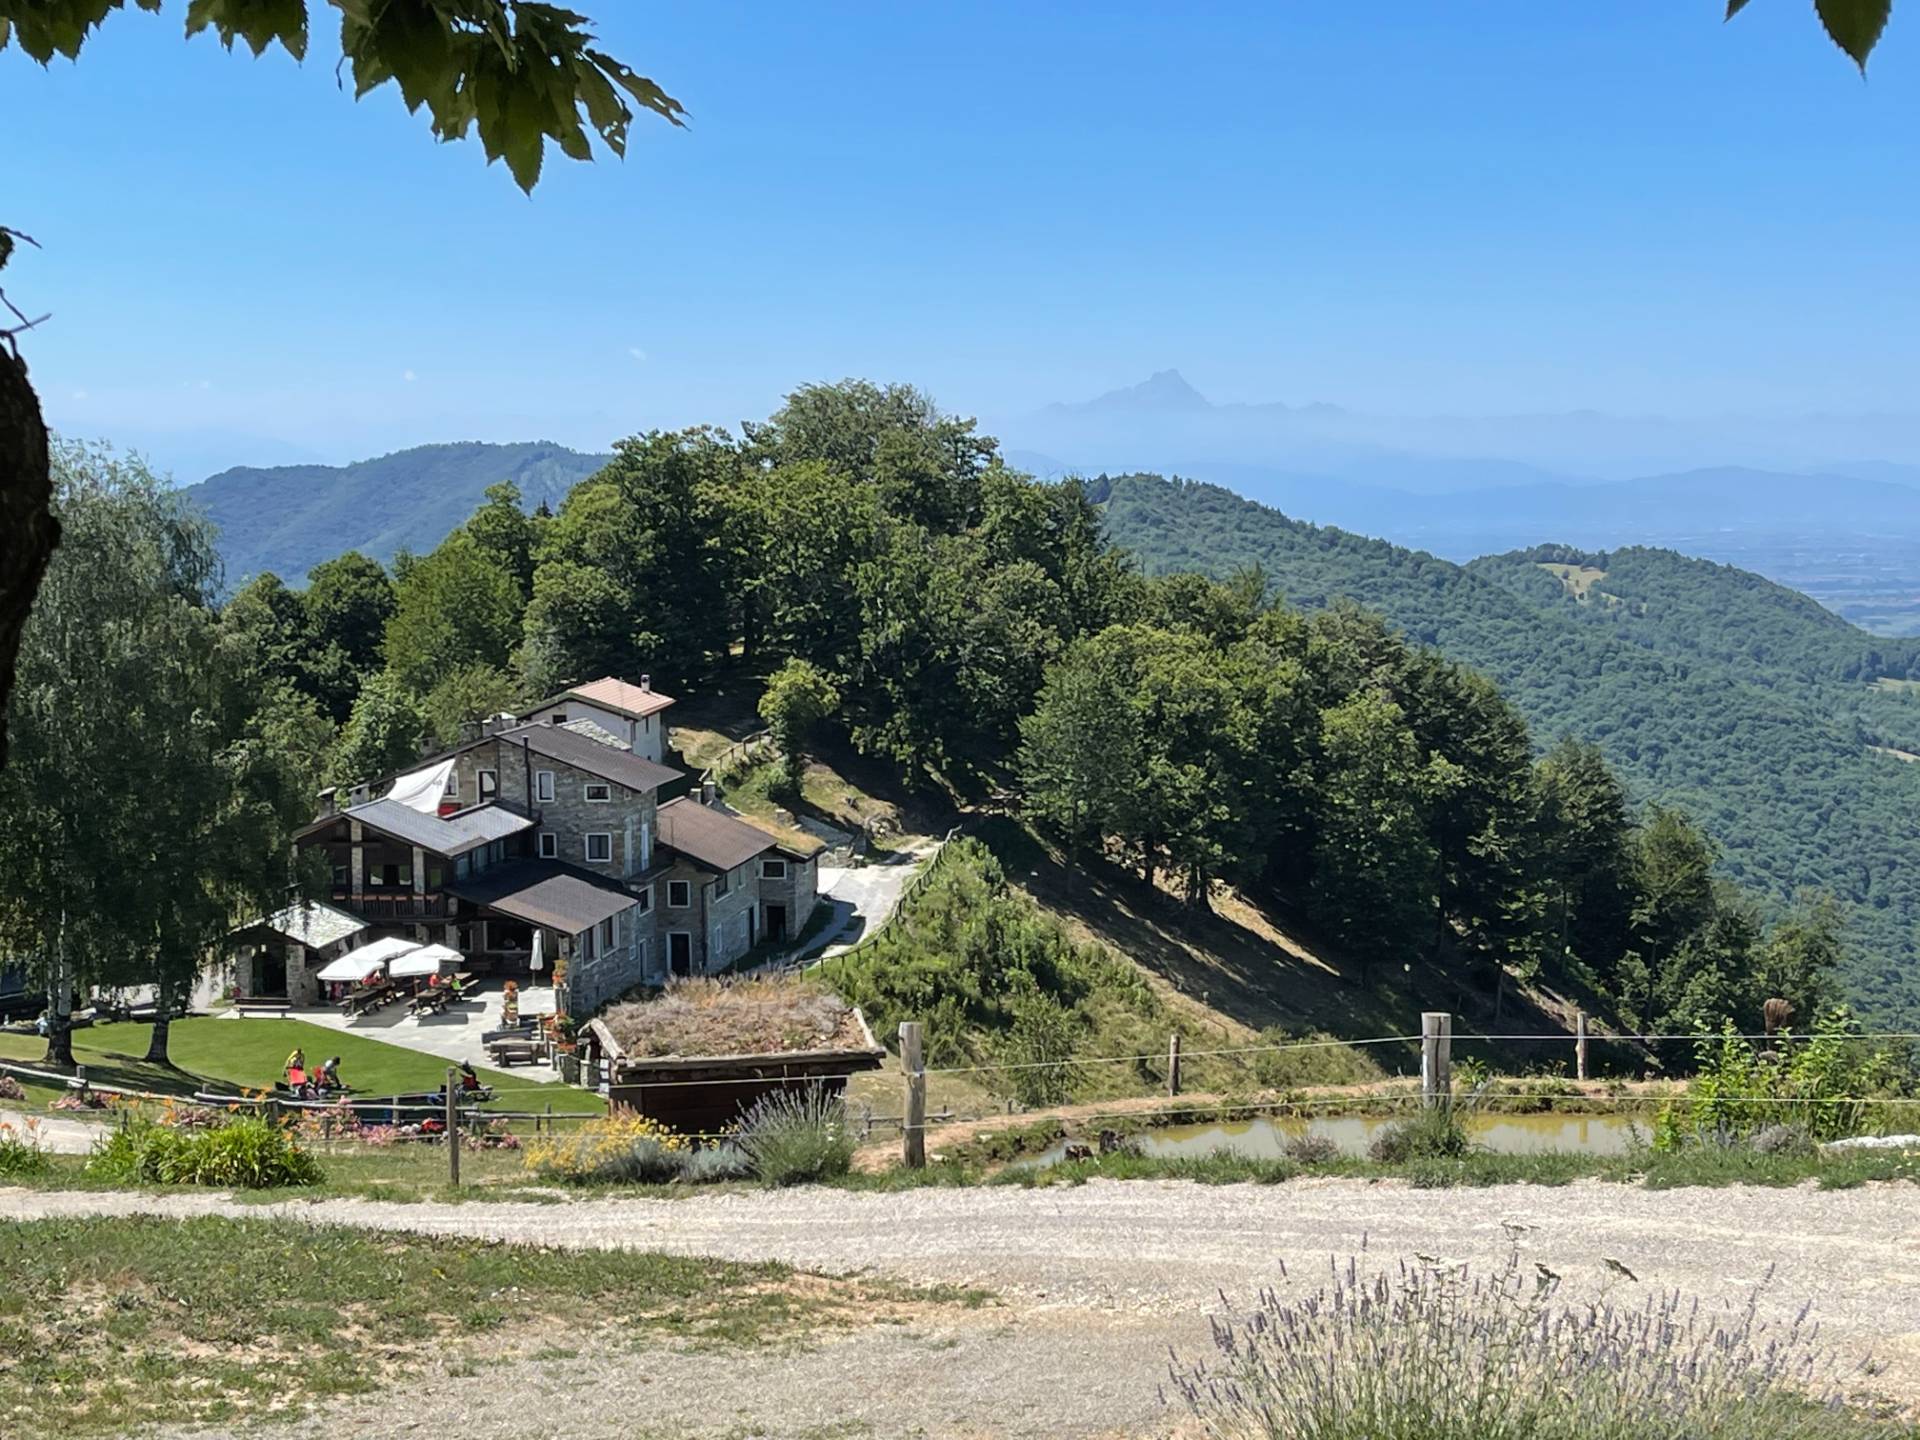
(431, 1001)
(361, 1002)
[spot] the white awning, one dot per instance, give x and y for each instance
(369, 959)
(422, 790)
(427, 960)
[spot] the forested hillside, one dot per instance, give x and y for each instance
(289, 518)
(1765, 717)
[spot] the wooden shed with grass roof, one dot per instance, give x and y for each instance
(705, 1050)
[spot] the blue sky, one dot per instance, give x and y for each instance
(1404, 207)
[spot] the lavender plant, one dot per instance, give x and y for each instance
(1431, 1352)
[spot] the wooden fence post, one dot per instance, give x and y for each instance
(1436, 1059)
(453, 1126)
(1173, 1064)
(913, 1129)
(1580, 1046)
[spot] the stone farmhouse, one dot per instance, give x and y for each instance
(561, 839)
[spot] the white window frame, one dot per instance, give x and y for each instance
(606, 934)
(549, 845)
(604, 786)
(685, 888)
(643, 900)
(543, 786)
(451, 790)
(587, 955)
(773, 870)
(486, 785)
(586, 847)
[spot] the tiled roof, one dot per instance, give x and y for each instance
(443, 834)
(594, 730)
(720, 842)
(547, 893)
(619, 695)
(623, 767)
(313, 923)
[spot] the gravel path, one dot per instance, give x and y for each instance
(1098, 1280)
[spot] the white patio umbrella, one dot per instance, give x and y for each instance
(369, 959)
(538, 960)
(426, 960)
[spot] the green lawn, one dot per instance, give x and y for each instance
(250, 1054)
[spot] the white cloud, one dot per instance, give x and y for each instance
(79, 394)
(407, 375)
(636, 352)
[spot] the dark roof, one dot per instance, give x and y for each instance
(706, 835)
(443, 834)
(583, 752)
(547, 893)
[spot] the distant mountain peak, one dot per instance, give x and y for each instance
(1162, 390)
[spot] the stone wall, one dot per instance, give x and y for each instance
(569, 816)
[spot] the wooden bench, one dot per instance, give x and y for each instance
(262, 1005)
(512, 1052)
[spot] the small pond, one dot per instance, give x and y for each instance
(1266, 1139)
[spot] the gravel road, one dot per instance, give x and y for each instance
(1098, 1281)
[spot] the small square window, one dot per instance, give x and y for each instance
(598, 792)
(773, 869)
(543, 785)
(599, 847)
(679, 894)
(549, 845)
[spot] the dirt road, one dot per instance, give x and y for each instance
(1098, 1281)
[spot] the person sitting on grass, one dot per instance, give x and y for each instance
(329, 1076)
(296, 1061)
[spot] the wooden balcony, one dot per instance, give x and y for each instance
(394, 904)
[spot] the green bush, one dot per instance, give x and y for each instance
(1430, 1134)
(1306, 1060)
(792, 1137)
(245, 1153)
(716, 1163)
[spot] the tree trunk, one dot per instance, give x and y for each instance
(28, 531)
(162, 1020)
(59, 1007)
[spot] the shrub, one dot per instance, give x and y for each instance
(1439, 1353)
(20, 1153)
(715, 1163)
(795, 1136)
(1040, 1051)
(1782, 1140)
(1309, 1060)
(246, 1152)
(1310, 1149)
(621, 1147)
(1428, 1134)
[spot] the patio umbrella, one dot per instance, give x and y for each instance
(369, 959)
(539, 959)
(425, 960)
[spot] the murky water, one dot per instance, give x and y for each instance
(1265, 1139)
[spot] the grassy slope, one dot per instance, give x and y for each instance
(249, 1053)
(1710, 688)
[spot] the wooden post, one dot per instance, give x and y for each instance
(1173, 1064)
(453, 1126)
(1580, 1046)
(549, 1119)
(913, 1128)
(1436, 1059)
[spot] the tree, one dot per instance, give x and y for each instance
(454, 607)
(348, 602)
(382, 734)
(271, 622)
(156, 773)
(579, 624)
(1081, 753)
(798, 697)
(467, 694)
(506, 532)
(1854, 25)
(516, 72)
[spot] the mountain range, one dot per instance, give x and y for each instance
(289, 518)
(1790, 734)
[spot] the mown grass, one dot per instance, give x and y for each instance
(250, 1053)
(110, 1324)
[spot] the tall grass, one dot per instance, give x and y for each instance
(1437, 1353)
(247, 1153)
